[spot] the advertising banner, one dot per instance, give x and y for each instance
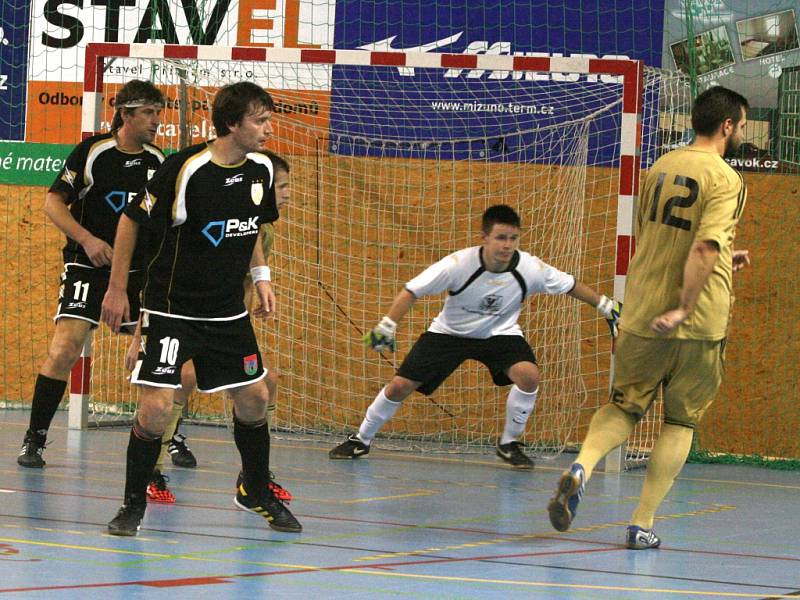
(61, 29)
(14, 15)
(428, 108)
(31, 164)
(743, 45)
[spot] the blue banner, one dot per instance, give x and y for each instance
(14, 19)
(463, 113)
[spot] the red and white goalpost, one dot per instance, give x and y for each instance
(358, 227)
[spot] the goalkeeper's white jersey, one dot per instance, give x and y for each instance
(481, 304)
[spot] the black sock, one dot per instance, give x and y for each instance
(47, 394)
(252, 440)
(142, 457)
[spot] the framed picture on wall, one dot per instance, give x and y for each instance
(712, 51)
(767, 34)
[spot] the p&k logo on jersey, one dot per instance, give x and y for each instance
(251, 364)
(117, 200)
(134, 162)
(216, 231)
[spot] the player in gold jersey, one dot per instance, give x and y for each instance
(675, 321)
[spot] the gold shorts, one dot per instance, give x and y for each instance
(688, 371)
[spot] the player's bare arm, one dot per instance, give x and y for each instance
(741, 259)
(382, 335)
(261, 276)
(115, 302)
(584, 293)
(132, 354)
(56, 209)
(699, 265)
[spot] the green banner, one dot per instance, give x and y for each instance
(24, 163)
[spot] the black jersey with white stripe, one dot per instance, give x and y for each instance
(202, 222)
(98, 180)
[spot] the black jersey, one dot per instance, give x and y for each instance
(98, 180)
(202, 222)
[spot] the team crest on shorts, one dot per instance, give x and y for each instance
(257, 192)
(251, 364)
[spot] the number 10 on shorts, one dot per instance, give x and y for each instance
(169, 350)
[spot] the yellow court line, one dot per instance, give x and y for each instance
(432, 577)
(534, 536)
(87, 548)
(395, 497)
(4, 525)
(198, 557)
(571, 586)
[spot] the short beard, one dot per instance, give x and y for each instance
(731, 145)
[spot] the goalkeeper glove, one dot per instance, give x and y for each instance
(611, 310)
(382, 336)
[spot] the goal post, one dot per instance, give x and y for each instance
(369, 210)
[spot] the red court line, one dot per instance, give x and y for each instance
(389, 523)
(192, 581)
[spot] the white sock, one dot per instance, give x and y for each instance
(381, 410)
(519, 407)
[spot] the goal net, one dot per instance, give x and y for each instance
(394, 156)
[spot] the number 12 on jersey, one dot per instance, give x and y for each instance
(667, 218)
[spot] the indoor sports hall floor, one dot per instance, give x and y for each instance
(393, 525)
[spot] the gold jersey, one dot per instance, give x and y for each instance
(689, 194)
(267, 239)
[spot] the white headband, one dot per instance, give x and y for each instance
(139, 102)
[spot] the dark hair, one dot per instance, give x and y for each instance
(233, 101)
(714, 106)
(499, 213)
(278, 162)
(137, 91)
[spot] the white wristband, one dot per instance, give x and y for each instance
(260, 274)
(605, 306)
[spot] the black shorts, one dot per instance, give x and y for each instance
(82, 291)
(225, 353)
(434, 356)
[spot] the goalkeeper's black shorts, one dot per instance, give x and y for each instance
(434, 356)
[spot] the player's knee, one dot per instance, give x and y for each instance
(525, 376)
(64, 353)
(528, 381)
(251, 405)
(399, 388)
(154, 412)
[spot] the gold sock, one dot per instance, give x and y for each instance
(177, 411)
(666, 461)
(609, 428)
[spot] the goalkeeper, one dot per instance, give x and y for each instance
(487, 286)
